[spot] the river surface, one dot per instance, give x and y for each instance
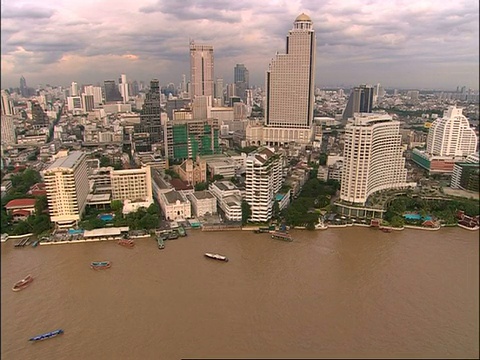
(349, 292)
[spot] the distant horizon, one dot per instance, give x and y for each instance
(408, 45)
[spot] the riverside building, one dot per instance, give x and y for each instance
(263, 181)
(67, 186)
(373, 160)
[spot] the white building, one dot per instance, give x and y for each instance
(96, 91)
(451, 135)
(229, 199)
(123, 87)
(67, 186)
(7, 103)
(373, 159)
(201, 70)
(290, 88)
(175, 205)
(203, 202)
(263, 181)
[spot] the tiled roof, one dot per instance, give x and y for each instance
(19, 203)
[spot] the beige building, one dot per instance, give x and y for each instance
(203, 202)
(67, 186)
(132, 184)
(289, 85)
(201, 70)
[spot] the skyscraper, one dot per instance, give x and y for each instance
(219, 91)
(289, 86)
(360, 101)
(111, 91)
(150, 119)
(201, 70)
(373, 159)
(74, 89)
(123, 87)
(23, 87)
(241, 80)
(7, 103)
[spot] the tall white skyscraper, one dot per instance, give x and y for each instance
(8, 136)
(123, 87)
(373, 158)
(74, 89)
(201, 70)
(451, 135)
(289, 87)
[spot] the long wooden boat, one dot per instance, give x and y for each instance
(22, 284)
(216, 257)
(127, 243)
(277, 235)
(47, 335)
(100, 265)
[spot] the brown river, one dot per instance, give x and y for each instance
(349, 293)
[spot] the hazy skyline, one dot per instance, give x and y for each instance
(404, 44)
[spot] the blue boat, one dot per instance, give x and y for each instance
(47, 335)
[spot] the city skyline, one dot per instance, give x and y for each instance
(421, 44)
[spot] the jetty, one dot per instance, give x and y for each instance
(22, 242)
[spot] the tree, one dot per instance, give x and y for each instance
(246, 212)
(201, 186)
(116, 205)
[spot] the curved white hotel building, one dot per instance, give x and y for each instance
(373, 159)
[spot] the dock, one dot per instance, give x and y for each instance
(22, 242)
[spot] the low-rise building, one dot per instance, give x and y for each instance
(203, 202)
(175, 205)
(229, 199)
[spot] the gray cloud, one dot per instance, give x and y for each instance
(146, 39)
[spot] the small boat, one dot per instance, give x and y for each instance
(35, 243)
(173, 235)
(100, 265)
(277, 235)
(47, 335)
(216, 257)
(22, 284)
(160, 243)
(261, 231)
(386, 230)
(127, 243)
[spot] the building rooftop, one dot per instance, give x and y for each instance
(18, 203)
(205, 194)
(67, 162)
(173, 196)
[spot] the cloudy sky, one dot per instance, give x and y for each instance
(398, 43)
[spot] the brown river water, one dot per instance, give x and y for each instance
(349, 292)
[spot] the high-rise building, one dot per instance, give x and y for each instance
(96, 91)
(39, 117)
(451, 135)
(289, 88)
(123, 87)
(150, 118)
(186, 139)
(373, 158)
(8, 136)
(88, 102)
(67, 188)
(201, 70)
(241, 80)
(360, 101)
(263, 180)
(74, 89)
(23, 87)
(219, 91)
(7, 104)
(111, 91)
